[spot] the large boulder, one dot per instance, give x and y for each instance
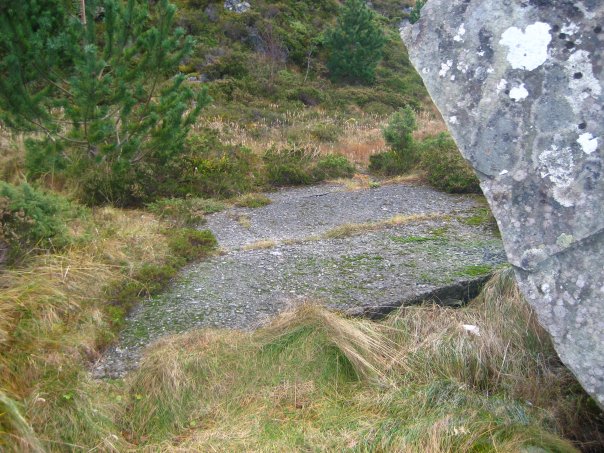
(520, 85)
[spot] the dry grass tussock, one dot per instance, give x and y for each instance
(54, 316)
(351, 229)
(260, 245)
(362, 182)
(311, 379)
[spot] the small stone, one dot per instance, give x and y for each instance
(236, 6)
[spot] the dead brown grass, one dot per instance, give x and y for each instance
(260, 245)
(359, 138)
(351, 229)
(429, 124)
(361, 342)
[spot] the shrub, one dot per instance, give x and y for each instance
(30, 219)
(388, 163)
(447, 170)
(297, 167)
(328, 133)
(232, 64)
(309, 96)
(209, 168)
(288, 167)
(333, 166)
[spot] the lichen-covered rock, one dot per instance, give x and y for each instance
(236, 6)
(520, 85)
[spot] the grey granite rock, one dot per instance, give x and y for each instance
(520, 85)
(236, 6)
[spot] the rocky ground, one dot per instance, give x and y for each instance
(362, 252)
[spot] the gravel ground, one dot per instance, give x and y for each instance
(361, 273)
(309, 211)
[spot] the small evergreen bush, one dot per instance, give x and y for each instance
(31, 219)
(298, 167)
(327, 133)
(446, 168)
(399, 131)
(209, 168)
(398, 134)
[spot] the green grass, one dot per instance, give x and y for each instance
(252, 200)
(480, 216)
(411, 239)
(59, 310)
(314, 380)
(474, 270)
(184, 212)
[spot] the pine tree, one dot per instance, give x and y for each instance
(97, 81)
(355, 44)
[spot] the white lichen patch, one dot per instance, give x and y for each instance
(557, 164)
(532, 257)
(501, 85)
(570, 29)
(444, 68)
(519, 93)
(453, 120)
(462, 67)
(460, 32)
(568, 196)
(582, 81)
(527, 50)
(588, 142)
